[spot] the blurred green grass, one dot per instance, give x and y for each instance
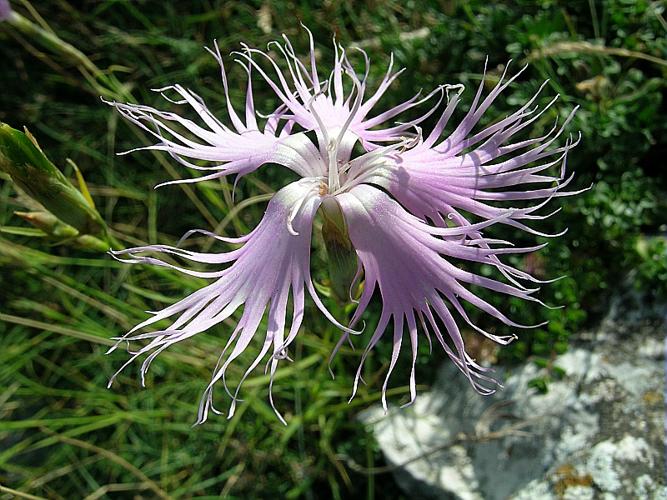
(64, 435)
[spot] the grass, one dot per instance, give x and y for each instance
(64, 435)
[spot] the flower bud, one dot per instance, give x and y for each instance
(341, 257)
(48, 223)
(88, 242)
(63, 233)
(31, 170)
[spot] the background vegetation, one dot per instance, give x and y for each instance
(64, 435)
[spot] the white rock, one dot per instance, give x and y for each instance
(597, 433)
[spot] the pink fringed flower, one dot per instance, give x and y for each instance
(5, 10)
(411, 206)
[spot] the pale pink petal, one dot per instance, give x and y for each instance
(237, 149)
(412, 267)
(461, 173)
(323, 107)
(272, 264)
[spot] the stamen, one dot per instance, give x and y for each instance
(334, 180)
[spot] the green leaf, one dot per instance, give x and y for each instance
(32, 232)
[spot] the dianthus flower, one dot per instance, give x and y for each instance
(411, 205)
(5, 10)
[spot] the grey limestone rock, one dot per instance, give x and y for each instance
(597, 433)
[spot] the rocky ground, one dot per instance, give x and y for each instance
(599, 432)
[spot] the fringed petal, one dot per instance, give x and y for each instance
(237, 149)
(272, 265)
(462, 172)
(407, 260)
(322, 106)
